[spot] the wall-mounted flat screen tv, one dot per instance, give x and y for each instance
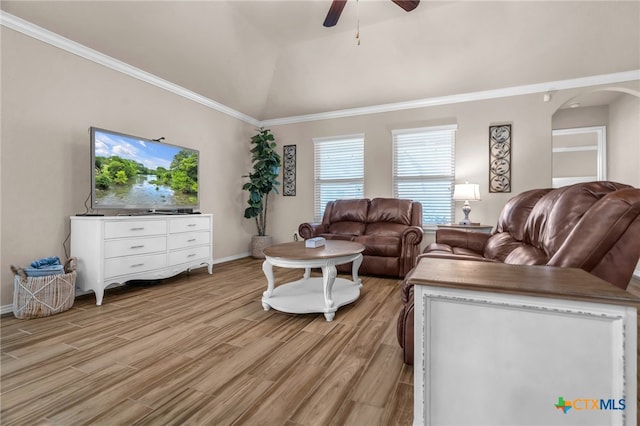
(134, 173)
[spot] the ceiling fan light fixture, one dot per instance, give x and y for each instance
(338, 5)
(407, 5)
(334, 13)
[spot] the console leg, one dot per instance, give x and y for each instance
(99, 296)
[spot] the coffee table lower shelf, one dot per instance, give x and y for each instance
(306, 296)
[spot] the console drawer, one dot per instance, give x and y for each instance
(189, 224)
(188, 239)
(188, 255)
(134, 264)
(139, 228)
(134, 246)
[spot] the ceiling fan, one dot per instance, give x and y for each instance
(337, 5)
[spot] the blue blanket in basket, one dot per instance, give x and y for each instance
(45, 266)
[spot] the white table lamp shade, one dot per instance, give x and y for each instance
(466, 192)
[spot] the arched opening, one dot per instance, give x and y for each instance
(596, 136)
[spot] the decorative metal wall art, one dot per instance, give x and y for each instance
(500, 158)
(289, 170)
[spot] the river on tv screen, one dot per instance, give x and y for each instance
(134, 172)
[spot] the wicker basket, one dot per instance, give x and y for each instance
(36, 297)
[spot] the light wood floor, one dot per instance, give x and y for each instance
(199, 349)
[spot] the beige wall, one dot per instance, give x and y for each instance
(623, 140)
(49, 100)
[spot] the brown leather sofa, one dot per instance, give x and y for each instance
(594, 226)
(389, 228)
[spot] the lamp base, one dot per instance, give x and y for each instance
(466, 209)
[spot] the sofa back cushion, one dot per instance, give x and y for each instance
(534, 225)
(558, 212)
(510, 229)
(390, 210)
(500, 245)
(389, 216)
(515, 213)
(602, 228)
(346, 216)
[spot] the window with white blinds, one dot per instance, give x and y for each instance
(339, 170)
(424, 170)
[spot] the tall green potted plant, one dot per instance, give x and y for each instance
(262, 181)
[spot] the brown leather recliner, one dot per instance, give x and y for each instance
(594, 226)
(389, 228)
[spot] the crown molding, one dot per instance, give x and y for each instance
(49, 37)
(39, 33)
(595, 80)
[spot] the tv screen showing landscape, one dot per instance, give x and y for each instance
(136, 173)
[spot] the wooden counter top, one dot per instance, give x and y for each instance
(543, 281)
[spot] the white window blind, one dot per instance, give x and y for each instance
(424, 171)
(339, 170)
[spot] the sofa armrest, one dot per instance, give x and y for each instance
(463, 238)
(411, 239)
(310, 230)
(404, 327)
(412, 235)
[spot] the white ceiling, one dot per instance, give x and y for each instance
(272, 59)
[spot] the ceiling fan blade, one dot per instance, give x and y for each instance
(407, 5)
(334, 13)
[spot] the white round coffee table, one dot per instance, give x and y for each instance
(312, 294)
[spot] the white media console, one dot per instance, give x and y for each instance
(117, 249)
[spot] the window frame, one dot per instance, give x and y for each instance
(435, 179)
(319, 205)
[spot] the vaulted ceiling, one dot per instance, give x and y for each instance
(272, 59)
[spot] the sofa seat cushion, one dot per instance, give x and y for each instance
(347, 227)
(446, 249)
(438, 248)
(459, 251)
(380, 246)
(341, 237)
(527, 255)
(385, 229)
(452, 255)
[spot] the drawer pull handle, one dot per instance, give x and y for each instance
(137, 265)
(138, 229)
(191, 255)
(191, 224)
(191, 240)
(137, 247)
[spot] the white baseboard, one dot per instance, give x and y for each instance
(5, 309)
